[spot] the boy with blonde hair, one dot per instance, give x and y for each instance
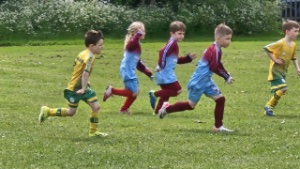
(79, 85)
(281, 53)
(201, 81)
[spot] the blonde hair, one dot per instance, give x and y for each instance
(132, 30)
(288, 25)
(223, 30)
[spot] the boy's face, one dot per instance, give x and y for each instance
(293, 33)
(178, 35)
(224, 41)
(96, 49)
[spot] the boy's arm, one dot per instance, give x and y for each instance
(271, 56)
(142, 68)
(171, 47)
(295, 61)
(84, 82)
(186, 59)
(215, 65)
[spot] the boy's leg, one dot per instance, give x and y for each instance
(91, 99)
(213, 92)
(278, 87)
(73, 100)
(168, 90)
(193, 95)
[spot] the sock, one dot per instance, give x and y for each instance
(219, 111)
(179, 106)
(58, 112)
(166, 93)
(275, 98)
(94, 122)
(122, 92)
(128, 102)
(160, 102)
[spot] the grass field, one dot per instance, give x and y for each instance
(32, 76)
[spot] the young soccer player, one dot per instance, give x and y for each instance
(79, 85)
(281, 53)
(165, 70)
(131, 61)
(201, 81)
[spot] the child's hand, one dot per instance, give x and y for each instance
(230, 80)
(80, 91)
(279, 61)
(298, 71)
(193, 56)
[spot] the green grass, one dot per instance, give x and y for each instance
(32, 76)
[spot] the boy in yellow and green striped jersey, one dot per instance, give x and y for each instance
(79, 87)
(281, 53)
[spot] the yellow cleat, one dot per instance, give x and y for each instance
(43, 114)
(98, 134)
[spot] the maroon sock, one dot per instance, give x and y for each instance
(166, 93)
(128, 102)
(122, 92)
(219, 111)
(160, 102)
(179, 106)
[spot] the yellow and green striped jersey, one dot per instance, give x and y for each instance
(83, 62)
(280, 50)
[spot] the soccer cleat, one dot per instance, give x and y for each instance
(221, 129)
(107, 93)
(43, 114)
(269, 110)
(162, 111)
(125, 111)
(152, 98)
(98, 134)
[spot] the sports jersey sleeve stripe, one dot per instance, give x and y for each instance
(89, 63)
(163, 63)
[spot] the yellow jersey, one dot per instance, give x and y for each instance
(280, 50)
(83, 62)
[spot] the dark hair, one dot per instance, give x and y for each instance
(177, 26)
(92, 37)
(288, 25)
(223, 30)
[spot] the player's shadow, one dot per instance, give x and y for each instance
(286, 116)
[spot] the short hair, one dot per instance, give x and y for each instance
(288, 25)
(92, 37)
(177, 26)
(223, 30)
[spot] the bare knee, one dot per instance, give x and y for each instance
(284, 90)
(71, 112)
(220, 100)
(135, 94)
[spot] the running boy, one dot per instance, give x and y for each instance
(165, 70)
(281, 53)
(201, 81)
(130, 62)
(79, 86)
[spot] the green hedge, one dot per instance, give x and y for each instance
(58, 18)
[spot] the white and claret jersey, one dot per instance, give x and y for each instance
(131, 58)
(83, 62)
(209, 63)
(280, 50)
(167, 61)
